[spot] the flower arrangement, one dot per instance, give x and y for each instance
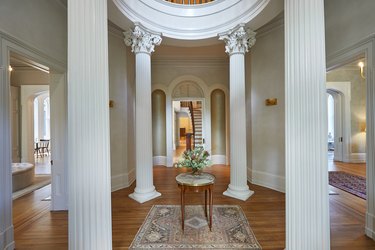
(196, 159)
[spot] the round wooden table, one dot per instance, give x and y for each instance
(196, 183)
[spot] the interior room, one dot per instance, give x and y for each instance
(30, 123)
(194, 124)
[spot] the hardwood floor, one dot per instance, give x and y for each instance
(37, 228)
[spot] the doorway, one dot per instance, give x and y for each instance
(29, 84)
(346, 99)
(187, 125)
(36, 74)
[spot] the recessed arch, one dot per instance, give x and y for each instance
(187, 89)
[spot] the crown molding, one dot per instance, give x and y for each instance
(276, 23)
(191, 62)
(115, 30)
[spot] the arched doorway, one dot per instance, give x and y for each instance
(188, 104)
(340, 94)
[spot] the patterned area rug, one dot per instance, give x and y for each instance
(162, 229)
(350, 183)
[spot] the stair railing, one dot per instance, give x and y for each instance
(190, 105)
(189, 1)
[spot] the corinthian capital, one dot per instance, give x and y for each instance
(142, 40)
(238, 40)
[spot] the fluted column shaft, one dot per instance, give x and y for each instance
(6, 225)
(238, 159)
(307, 210)
(142, 42)
(143, 121)
(238, 41)
(90, 222)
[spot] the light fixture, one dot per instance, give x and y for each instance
(361, 65)
(362, 126)
(10, 68)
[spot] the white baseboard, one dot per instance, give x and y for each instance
(218, 159)
(159, 160)
(7, 239)
(121, 181)
(357, 158)
(170, 162)
(370, 229)
(267, 180)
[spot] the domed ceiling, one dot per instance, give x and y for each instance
(192, 25)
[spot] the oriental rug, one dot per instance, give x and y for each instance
(162, 229)
(350, 183)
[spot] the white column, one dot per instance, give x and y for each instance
(143, 42)
(90, 222)
(307, 210)
(6, 226)
(370, 140)
(238, 41)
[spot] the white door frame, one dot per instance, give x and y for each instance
(364, 47)
(10, 44)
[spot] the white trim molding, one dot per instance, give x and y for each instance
(160, 160)
(219, 159)
(264, 179)
(7, 239)
(357, 158)
(121, 181)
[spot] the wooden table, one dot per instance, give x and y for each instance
(196, 183)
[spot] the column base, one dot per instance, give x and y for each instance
(239, 193)
(7, 239)
(370, 224)
(143, 197)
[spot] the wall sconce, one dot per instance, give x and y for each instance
(271, 101)
(111, 103)
(10, 68)
(361, 65)
(362, 126)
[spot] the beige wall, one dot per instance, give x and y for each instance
(347, 22)
(218, 130)
(267, 122)
(184, 122)
(207, 63)
(159, 123)
(357, 104)
(121, 114)
(41, 24)
(29, 77)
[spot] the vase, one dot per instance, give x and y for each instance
(197, 172)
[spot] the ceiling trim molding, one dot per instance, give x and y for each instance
(276, 23)
(115, 30)
(192, 22)
(193, 62)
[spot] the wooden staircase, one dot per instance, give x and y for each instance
(198, 136)
(195, 114)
